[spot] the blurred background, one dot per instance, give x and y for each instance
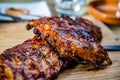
(13, 1)
(106, 11)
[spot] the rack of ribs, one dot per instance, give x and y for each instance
(31, 60)
(72, 39)
(58, 43)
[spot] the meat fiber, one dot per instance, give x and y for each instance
(31, 60)
(72, 39)
(58, 43)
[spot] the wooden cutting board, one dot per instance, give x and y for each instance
(15, 33)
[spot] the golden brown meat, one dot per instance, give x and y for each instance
(57, 43)
(72, 38)
(83, 24)
(31, 60)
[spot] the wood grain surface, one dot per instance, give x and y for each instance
(80, 72)
(12, 34)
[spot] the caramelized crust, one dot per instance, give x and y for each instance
(31, 60)
(58, 43)
(72, 38)
(89, 27)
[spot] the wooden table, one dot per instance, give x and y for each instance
(12, 33)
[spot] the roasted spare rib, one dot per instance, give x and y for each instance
(72, 39)
(31, 60)
(58, 43)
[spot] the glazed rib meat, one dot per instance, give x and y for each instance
(72, 39)
(88, 26)
(31, 60)
(58, 43)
